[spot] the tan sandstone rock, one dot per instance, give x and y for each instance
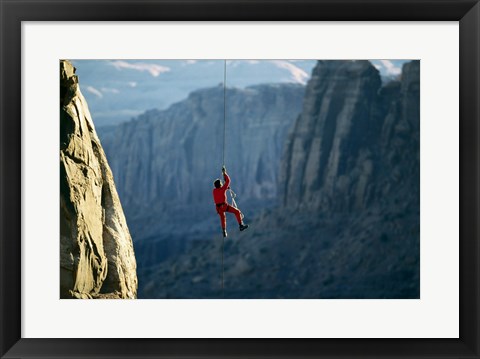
(97, 259)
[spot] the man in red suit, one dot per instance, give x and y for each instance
(220, 199)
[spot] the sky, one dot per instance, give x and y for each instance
(118, 90)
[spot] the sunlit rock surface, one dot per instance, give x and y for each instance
(96, 251)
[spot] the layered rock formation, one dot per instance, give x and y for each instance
(96, 251)
(355, 142)
(399, 144)
(165, 161)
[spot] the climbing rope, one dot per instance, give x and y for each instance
(224, 108)
(232, 194)
(223, 271)
(223, 157)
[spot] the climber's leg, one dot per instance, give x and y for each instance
(223, 219)
(236, 212)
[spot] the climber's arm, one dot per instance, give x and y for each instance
(226, 178)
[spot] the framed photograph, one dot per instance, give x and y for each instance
(241, 179)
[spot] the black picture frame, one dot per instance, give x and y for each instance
(13, 12)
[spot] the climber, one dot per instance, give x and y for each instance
(220, 199)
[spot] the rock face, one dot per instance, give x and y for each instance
(96, 251)
(355, 142)
(169, 159)
(399, 144)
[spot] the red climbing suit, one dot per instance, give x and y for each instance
(220, 199)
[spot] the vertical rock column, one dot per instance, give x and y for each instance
(328, 159)
(97, 259)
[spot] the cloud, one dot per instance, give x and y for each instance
(391, 68)
(297, 74)
(109, 90)
(190, 62)
(154, 69)
(235, 63)
(94, 91)
(132, 84)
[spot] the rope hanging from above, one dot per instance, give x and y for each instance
(223, 158)
(232, 194)
(224, 109)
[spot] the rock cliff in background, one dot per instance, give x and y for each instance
(355, 142)
(165, 162)
(399, 145)
(96, 251)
